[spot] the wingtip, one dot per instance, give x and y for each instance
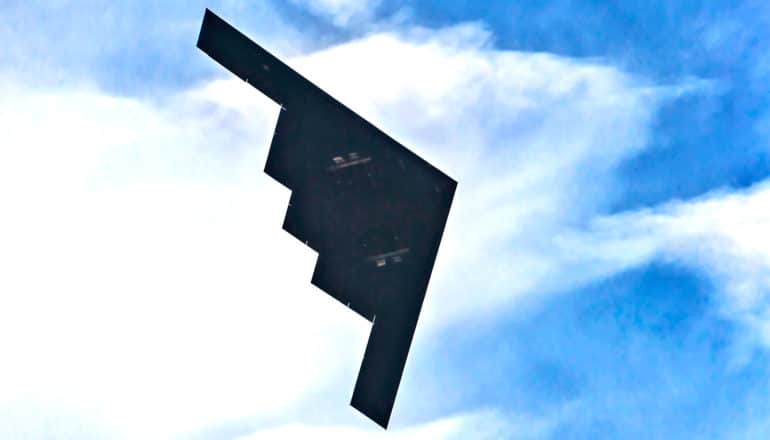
(382, 419)
(208, 16)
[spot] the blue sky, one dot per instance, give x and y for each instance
(605, 271)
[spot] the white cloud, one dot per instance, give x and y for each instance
(480, 425)
(341, 12)
(726, 234)
(139, 250)
(150, 287)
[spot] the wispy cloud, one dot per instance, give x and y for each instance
(722, 233)
(126, 48)
(341, 12)
(479, 425)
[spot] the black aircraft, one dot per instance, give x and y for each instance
(373, 210)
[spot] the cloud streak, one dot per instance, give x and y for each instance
(342, 13)
(722, 233)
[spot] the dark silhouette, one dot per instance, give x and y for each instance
(373, 210)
